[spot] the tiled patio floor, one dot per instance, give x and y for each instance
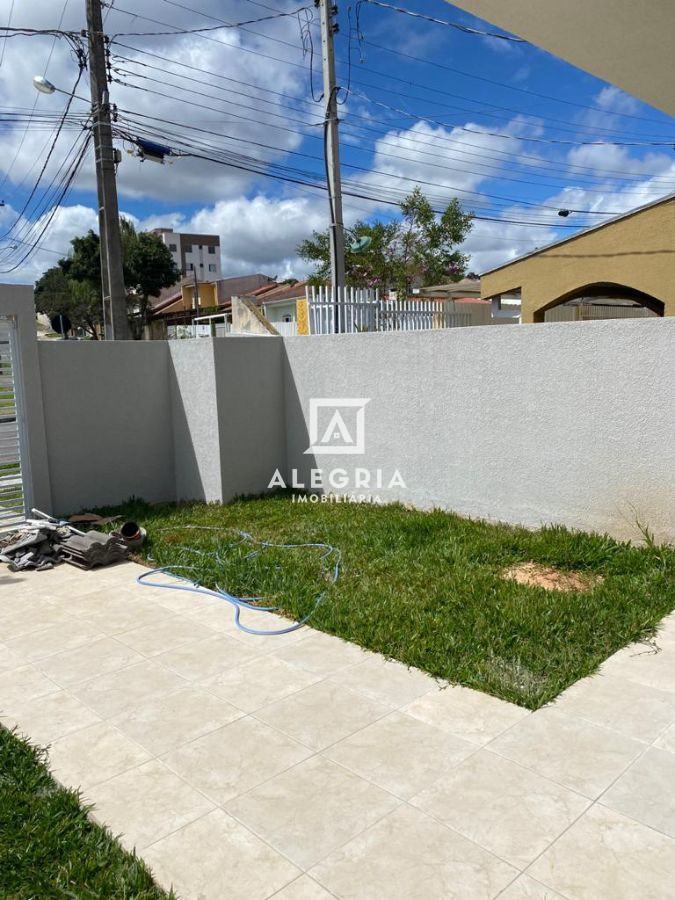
(303, 768)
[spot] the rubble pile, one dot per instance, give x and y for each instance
(43, 544)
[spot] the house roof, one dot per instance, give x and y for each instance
(282, 293)
(584, 231)
(226, 287)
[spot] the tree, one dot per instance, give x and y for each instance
(148, 267)
(416, 250)
(56, 294)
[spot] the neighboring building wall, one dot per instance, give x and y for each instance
(637, 251)
(279, 312)
(191, 252)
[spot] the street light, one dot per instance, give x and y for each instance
(41, 84)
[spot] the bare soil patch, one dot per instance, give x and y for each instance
(536, 575)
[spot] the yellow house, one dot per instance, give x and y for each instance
(628, 258)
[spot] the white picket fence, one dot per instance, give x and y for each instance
(360, 309)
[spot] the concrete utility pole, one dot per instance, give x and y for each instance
(115, 321)
(332, 153)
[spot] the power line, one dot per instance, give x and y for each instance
(464, 28)
(201, 31)
(504, 85)
(35, 101)
(380, 152)
(579, 171)
(185, 147)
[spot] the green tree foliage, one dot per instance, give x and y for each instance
(73, 287)
(56, 294)
(418, 249)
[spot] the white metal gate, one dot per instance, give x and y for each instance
(12, 468)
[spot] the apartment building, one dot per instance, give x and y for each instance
(193, 252)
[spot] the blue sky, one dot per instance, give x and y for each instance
(511, 131)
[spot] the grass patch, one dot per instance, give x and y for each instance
(426, 588)
(48, 846)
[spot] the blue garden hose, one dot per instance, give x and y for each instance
(240, 603)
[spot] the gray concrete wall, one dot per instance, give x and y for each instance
(194, 410)
(108, 422)
(251, 412)
(570, 423)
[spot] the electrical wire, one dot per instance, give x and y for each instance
(9, 170)
(463, 28)
(200, 31)
(51, 149)
(419, 181)
(381, 143)
(455, 144)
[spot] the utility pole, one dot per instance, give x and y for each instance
(115, 321)
(329, 26)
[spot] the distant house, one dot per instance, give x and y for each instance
(279, 305)
(621, 267)
(180, 301)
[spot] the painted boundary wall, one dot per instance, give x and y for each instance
(571, 423)
(177, 420)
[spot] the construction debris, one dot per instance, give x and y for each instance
(45, 542)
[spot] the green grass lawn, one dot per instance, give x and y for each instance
(426, 587)
(48, 846)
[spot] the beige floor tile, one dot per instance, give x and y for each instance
(646, 791)
(167, 723)
(24, 683)
(69, 588)
(322, 714)
(216, 858)
(117, 692)
(634, 709)
(407, 856)
(606, 855)
(146, 803)
(176, 631)
(9, 660)
(268, 622)
(29, 619)
(526, 888)
(94, 754)
(322, 654)
(206, 658)
(385, 680)
(87, 662)
(509, 810)
(218, 617)
(468, 714)
(304, 888)
(666, 740)
(401, 754)
(311, 809)
(115, 615)
(263, 680)
(571, 751)
(46, 719)
(235, 758)
(645, 664)
(67, 635)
